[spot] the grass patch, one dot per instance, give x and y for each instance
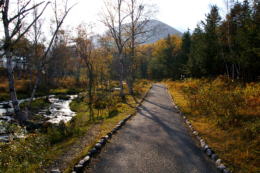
(227, 115)
(36, 104)
(22, 96)
(69, 91)
(4, 97)
(39, 94)
(63, 97)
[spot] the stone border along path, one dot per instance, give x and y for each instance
(209, 152)
(156, 140)
(98, 146)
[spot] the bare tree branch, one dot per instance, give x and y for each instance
(17, 29)
(55, 33)
(22, 12)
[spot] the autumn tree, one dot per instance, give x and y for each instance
(103, 59)
(85, 48)
(165, 61)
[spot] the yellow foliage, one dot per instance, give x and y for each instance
(162, 44)
(227, 115)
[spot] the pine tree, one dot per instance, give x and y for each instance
(185, 50)
(193, 66)
(212, 61)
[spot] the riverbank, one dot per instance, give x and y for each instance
(23, 87)
(48, 148)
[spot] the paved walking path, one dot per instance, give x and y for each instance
(155, 140)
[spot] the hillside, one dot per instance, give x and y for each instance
(164, 31)
(161, 31)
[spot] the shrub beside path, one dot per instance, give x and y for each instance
(155, 140)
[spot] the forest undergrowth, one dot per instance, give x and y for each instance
(66, 85)
(226, 113)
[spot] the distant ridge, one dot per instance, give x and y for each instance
(163, 30)
(167, 30)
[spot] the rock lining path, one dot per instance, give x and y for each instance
(155, 140)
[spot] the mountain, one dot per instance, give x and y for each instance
(154, 30)
(163, 32)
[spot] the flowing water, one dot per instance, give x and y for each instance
(58, 110)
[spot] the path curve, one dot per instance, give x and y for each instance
(155, 140)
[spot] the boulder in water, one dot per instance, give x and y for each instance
(7, 105)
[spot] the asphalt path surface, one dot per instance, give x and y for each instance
(154, 140)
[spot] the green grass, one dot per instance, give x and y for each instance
(78, 106)
(36, 104)
(22, 96)
(69, 91)
(4, 97)
(63, 97)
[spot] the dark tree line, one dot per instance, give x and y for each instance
(217, 46)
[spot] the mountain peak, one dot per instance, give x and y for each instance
(163, 33)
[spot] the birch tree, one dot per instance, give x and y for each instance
(85, 46)
(113, 16)
(140, 29)
(42, 61)
(12, 33)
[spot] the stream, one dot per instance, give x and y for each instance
(58, 110)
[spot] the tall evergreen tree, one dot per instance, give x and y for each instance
(193, 66)
(212, 61)
(185, 50)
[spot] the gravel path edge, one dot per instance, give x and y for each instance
(209, 152)
(79, 168)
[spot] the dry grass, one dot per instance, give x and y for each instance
(21, 87)
(234, 136)
(66, 85)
